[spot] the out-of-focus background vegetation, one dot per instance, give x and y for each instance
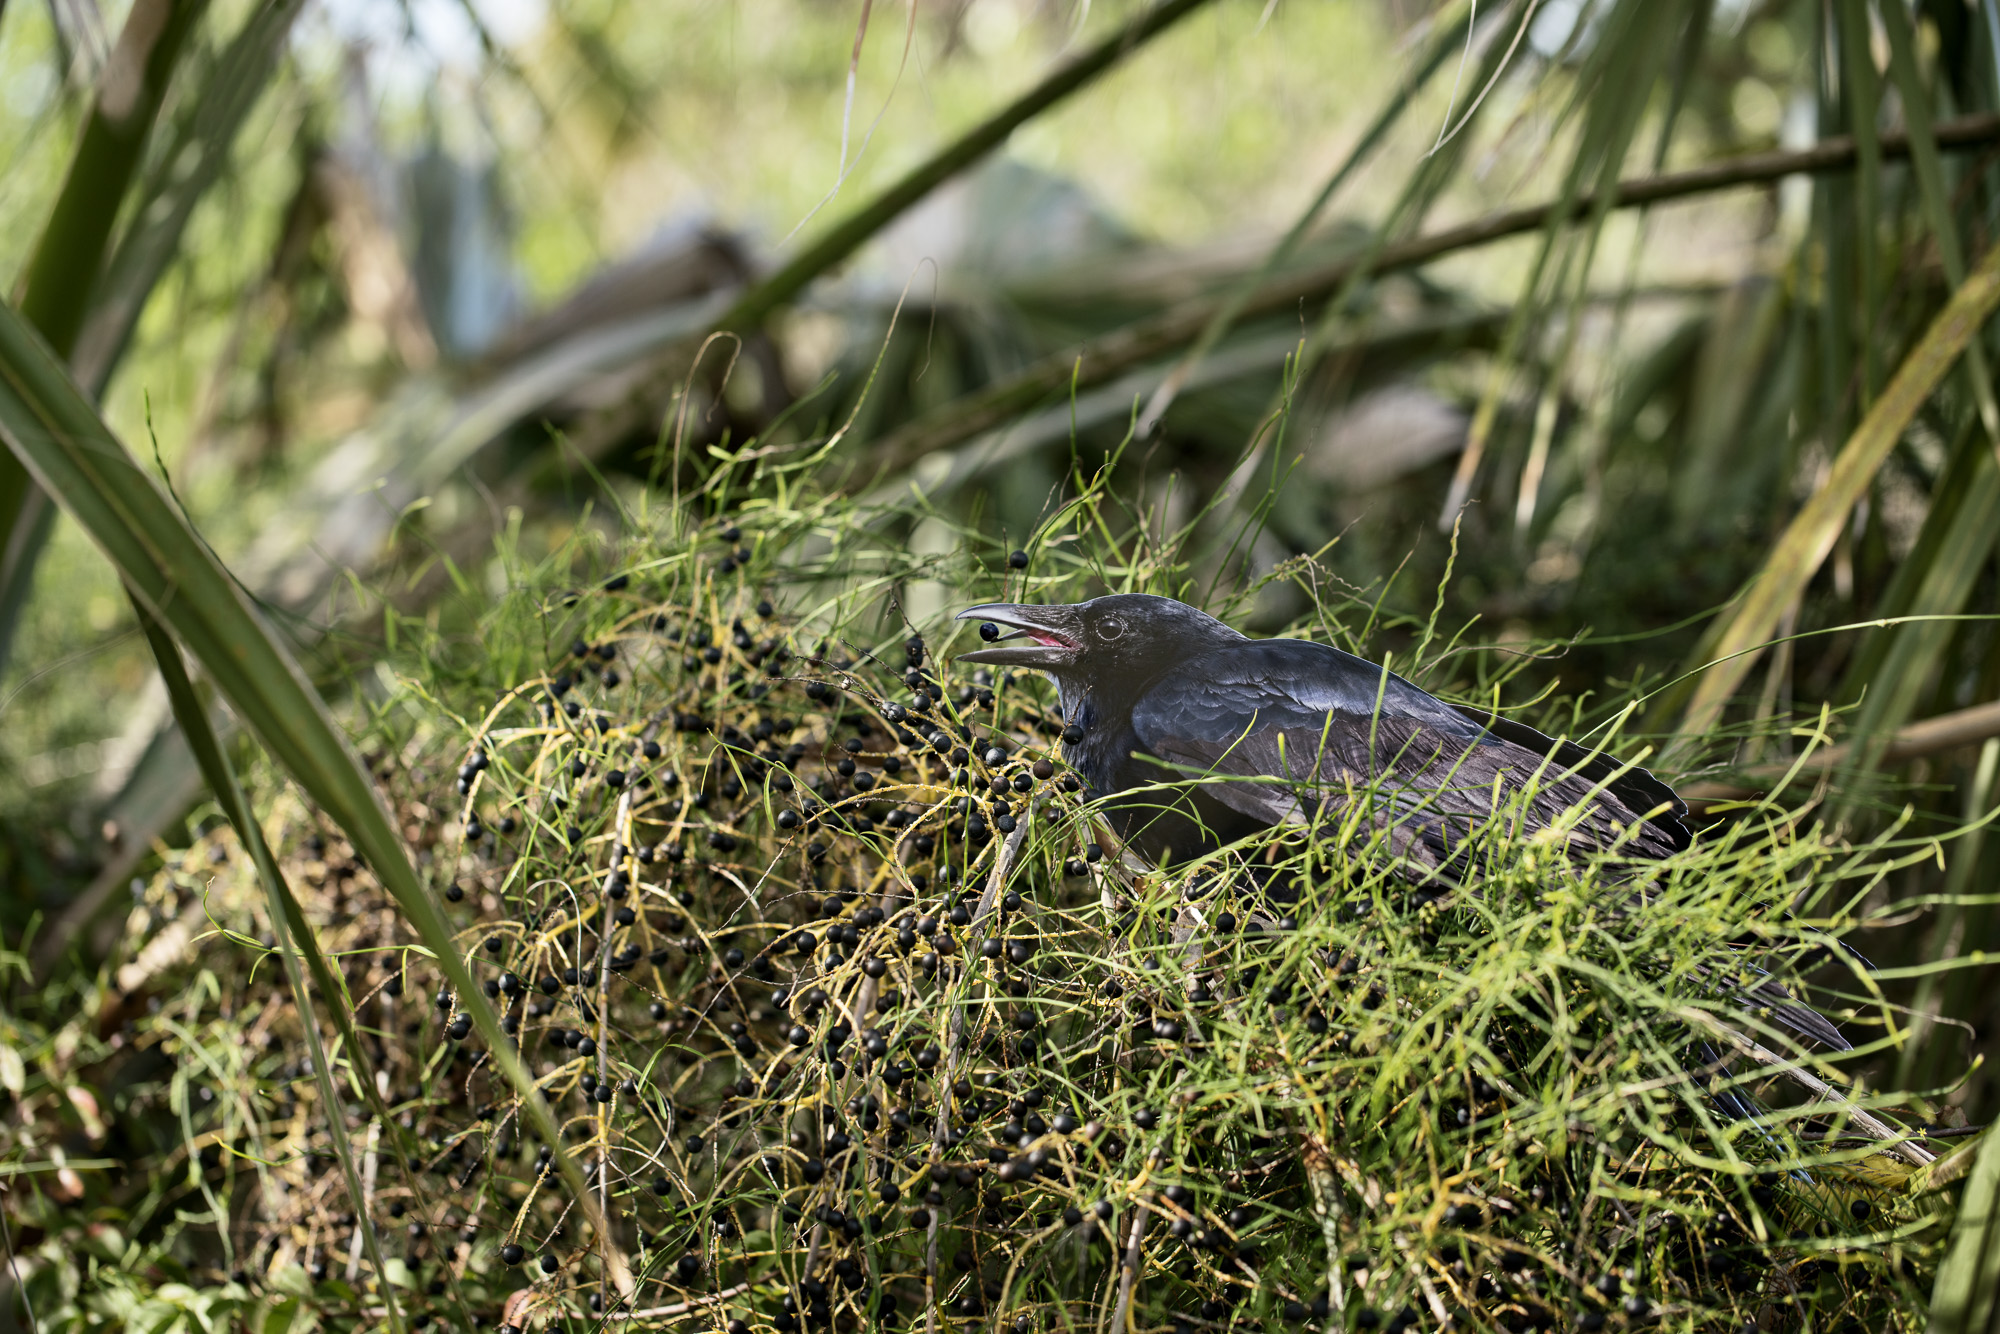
(373, 282)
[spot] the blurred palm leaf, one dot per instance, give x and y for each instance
(54, 432)
(1967, 1298)
(1090, 364)
(86, 292)
(193, 156)
(213, 758)
(63, 271)
(1810, 537)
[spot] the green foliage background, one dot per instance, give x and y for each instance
(290, 251)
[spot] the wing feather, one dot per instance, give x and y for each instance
(1304, 727)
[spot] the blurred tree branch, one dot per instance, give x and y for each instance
(1931, 736)
(1074, 74)
(1095, 362)
(761, 300)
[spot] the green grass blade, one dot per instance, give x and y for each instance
(1810, 536)
(1928, 165)
(1860, 87)
(1946, 588)
(1626, 62)
(221, 776)
(57, 434)
(1732, 376)
(1949, 492)
(1963, 1300)
(211, 757)
(62, 272)
(192, 160)
(1425, 185)
(1925, 1058)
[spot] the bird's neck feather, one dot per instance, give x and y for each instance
(1106, 720)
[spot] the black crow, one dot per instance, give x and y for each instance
(1195, 736)
(1156, 693)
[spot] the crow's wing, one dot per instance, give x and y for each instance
(1326, 725)
(1332, 729)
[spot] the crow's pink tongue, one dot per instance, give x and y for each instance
(1047, 640)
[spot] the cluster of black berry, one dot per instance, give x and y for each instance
(852, 1020)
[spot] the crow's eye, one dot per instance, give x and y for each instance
(1110, 628)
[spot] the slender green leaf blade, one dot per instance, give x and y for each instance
(63, 271)
(221, 776)
(1968, 1282)
(1809, 538)
(53, 429)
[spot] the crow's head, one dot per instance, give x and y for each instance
(1127, 638)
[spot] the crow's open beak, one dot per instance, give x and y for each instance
(1027, 636)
